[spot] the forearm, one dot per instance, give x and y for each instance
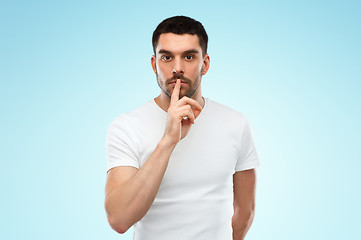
(241, 223)
(128, 203)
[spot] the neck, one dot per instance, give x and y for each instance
(163, 101)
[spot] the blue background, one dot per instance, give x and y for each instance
(68, 68)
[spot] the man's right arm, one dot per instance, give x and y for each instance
(130, 192)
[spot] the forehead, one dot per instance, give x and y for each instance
(178, 43)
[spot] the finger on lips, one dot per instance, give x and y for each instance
(184, 100)
(175, 95)
(185, 104)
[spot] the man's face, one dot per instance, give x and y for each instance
(179, 56)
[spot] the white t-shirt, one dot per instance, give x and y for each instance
(195, 198)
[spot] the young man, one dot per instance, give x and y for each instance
(181, 166)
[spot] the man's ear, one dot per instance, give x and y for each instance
(206, 63)
(153, 62)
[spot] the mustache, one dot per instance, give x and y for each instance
(178, 76)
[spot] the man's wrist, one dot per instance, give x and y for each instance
(166, 143)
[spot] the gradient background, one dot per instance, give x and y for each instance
(68, 68)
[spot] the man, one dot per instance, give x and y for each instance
(181, 166)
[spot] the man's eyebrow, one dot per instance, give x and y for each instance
(190, 51)
(162, 51)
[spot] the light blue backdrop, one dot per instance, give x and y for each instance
(68, 68)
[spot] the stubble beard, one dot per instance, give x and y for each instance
(189, 92)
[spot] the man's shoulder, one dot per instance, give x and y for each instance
(220, 108)
(227, 117)
(144, 113)
(139, 111)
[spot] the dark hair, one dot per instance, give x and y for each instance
(181, 25)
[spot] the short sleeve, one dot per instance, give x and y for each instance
(120, 147)
(247, 155)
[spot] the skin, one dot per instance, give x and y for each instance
(179, 56)
(129, 193)
(244, 190)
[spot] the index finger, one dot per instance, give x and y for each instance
(175, 95)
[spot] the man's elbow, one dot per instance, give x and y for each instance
(249, 217)
(243, 219)
(117, 225)
(115, 218)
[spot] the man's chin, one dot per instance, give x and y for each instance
(183, 92)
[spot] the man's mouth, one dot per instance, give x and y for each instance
(174, 81)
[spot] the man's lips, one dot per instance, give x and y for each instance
(174, 81)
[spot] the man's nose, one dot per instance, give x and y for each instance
(178, 67)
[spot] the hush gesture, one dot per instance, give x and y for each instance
(181, 115)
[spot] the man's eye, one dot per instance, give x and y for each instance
(189, 57)
(166, 58)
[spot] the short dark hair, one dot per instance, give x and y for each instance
(181, 25)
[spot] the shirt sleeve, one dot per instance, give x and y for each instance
(119, 147)
(247, 157)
